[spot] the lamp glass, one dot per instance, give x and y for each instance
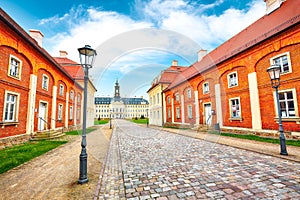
(87, 55)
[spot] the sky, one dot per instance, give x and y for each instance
(135, 39)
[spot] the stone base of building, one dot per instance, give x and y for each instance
(13, 140)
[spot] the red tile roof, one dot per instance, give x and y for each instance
(71, 67)
(267, 26)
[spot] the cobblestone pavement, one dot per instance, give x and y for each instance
(145, 163)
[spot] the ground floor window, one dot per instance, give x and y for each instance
(190, 112)
(235, 109)
(10, 108)
(177, 112)
(287, 104)
(169, 113)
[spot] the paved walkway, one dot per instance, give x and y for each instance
(54, 175)
(155, 164)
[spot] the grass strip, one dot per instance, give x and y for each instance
(79, 132)
(139, 121)
(11, 157)
(102, 121)
(260, 139)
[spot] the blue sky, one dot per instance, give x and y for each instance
(134, 39)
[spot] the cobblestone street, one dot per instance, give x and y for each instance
(145, 163)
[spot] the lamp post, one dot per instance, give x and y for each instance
(274, 73)
(110, 119)
(87, 55)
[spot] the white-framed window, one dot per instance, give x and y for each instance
(190, 111)
(61, 90)
(235, 108)
(205, 88)
(288, 103)
(11, 107)
(177, 97)
(169, 112)
(45, 82)
(157, 96)
(189, 93)
(60, 110)
(72, 95)
(71, 112)
(232, 79)
(14, 67)
(177, 112)
(78, 114)
(169, 100)
(284, 61)
(78, 98)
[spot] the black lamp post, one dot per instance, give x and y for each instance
(274, 73)
(110, 119)
(87, 55)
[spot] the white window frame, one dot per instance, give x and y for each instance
(169, 113)
(189, 93)
(71, 112)
(190, 111)
(72, 95)
(61, 90)
(205, 87)
(169, 99)
(293, 90)
(15, 106)
(19, 68)
(287, 54)
(232, 84)
(178, 112)
(240, 108)
(177, 97)
(78, 98)
(45, 82)
(59, 111)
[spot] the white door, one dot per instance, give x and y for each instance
(208, 116)
(42, 114)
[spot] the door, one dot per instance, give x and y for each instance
(207, 112)
(42, 116)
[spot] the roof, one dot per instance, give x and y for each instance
(108, 100)
(73, 68)
(267, 26)
(103, 100)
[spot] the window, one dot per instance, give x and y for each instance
(71, 112)
(283, 60)
(287, 104)
(61, 90)
(177, 112)
(235, 110)
(177, 97)
(10, 109)
(169, 100)
(232, 79)
(72, 95)
(190, 112)
(157, 96)
(14, 67)
(78, 114)
(169, 113)
(78, 98)
(60, 107)
(45, 82)
(205, 88)
(189, 93)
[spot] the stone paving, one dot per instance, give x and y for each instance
(144, 163)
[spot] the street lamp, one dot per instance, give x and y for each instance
(87, 55)
(274, 73)
(110, 119)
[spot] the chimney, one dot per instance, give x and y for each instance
(63, 54)
(272, 5)
(174, 63)
(37, 35)
(201, 54)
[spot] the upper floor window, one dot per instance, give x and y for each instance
(45, 82)
(189, 93)
(157, 96)
(177, 96)
(205, 88)
(10, 107)
(169, 100)
(72, 95)
(235, 109)
(287, 101)
(78, 98)
(14, 68)
(284, 61)
(61, 90)
(60, 110)
(232, 79)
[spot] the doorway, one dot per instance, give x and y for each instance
(42, 116)
(207, 114)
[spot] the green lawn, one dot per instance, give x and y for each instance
(11, 157)
(102, 121)
(139, 121)
(261, 139)
(79, 132)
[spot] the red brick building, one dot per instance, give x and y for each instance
(36, 94)
(230, 85)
